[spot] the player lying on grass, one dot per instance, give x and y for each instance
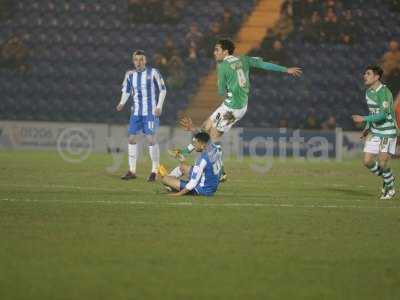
(380, 129)
(203, 176)
(234, 84)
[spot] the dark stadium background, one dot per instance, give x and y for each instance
(65, 60)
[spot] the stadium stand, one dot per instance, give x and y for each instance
(76, 53)
(79, 52)
(332, 82)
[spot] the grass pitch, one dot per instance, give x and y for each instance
(304, 230)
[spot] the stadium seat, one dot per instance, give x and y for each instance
(82, 50)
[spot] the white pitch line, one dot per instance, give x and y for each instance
(76, 187)
(92, 188)
(197, 204)
(276, 197)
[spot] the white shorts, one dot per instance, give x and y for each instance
(222, 124)
(375, 145)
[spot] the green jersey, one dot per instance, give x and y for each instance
(233, 78)
(382, 119)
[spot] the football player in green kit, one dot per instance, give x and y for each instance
(234, 85)
(380, 129)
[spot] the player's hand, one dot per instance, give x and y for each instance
(180, 193)
(120, 107)
(157, 112)
(295, 71)
(187, 124)
(357, 119)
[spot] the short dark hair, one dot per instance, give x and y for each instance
(139, 52)
(227, 44)
(377, 70)
(202, 137)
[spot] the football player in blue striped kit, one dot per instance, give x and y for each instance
(147, 88)
(203, 177)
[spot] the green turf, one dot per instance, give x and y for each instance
(304, 230)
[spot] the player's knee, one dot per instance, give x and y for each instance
(182, 169)
(215, 134)
(132, 140)
(367, 161)
(151, 140)
(383, 163)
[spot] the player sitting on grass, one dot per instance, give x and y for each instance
(380, 129)
(203, 176)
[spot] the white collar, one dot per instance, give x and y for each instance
(227, 57)
(379, 87)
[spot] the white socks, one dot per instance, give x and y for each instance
(154, 151)
(176, 172)
(132, 157)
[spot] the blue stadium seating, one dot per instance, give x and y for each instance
(79, 53)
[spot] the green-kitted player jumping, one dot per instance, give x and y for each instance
(234, 85)
(380, 129)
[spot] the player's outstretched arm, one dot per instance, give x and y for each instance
(370, 118)
(259, 63)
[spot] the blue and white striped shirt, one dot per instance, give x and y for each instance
(147, 88)
(206, 172)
